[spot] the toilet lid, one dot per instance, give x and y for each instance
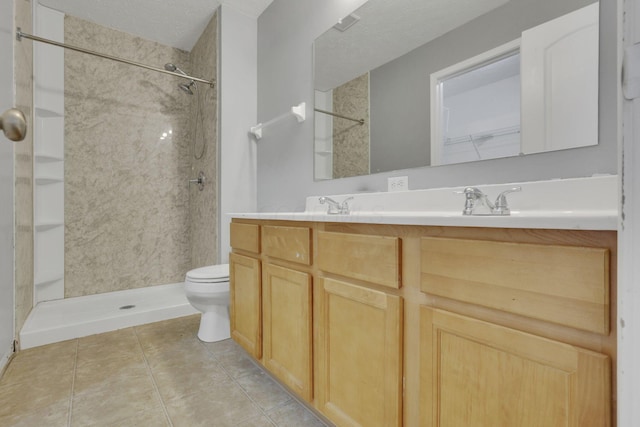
(211, 273)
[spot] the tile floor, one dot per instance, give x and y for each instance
(151, 375)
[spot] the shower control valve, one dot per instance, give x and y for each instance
(200, 181)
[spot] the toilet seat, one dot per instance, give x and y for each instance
(209, 274)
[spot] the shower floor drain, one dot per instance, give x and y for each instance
(127, 307)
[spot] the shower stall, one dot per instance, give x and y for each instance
(117, 149)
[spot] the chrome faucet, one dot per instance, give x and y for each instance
(336, 208)
(474, 198)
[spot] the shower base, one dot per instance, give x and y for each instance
(60, 320)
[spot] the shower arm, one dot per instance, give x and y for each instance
(20, 35)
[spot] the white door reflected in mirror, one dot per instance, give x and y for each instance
(484, 108)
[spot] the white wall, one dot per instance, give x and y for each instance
(6, 185)
(237, 88)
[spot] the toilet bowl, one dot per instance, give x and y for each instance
(207, 289)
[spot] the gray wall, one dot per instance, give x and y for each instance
(286, 31)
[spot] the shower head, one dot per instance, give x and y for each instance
(173, 68)
(186, 87)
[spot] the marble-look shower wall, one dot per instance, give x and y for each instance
(351, 139)
(127, 162)
(23, 71)
(202, 204)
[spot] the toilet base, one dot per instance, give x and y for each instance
(214, 325)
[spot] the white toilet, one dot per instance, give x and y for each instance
(207, 289)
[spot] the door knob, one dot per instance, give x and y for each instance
(14, 124)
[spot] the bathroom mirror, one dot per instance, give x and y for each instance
(385, 70)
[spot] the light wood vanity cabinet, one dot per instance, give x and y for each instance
(287, 328)
(284, 311)
(245, 296)
(359, 355)
(435, 326)
(482, 374)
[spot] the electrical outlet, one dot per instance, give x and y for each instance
(398, 183)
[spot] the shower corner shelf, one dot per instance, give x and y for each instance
(46, 278)
(45, 180)
(48, 225)
(47, 158)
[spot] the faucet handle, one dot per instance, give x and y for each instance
(502, 208)
(344, 206)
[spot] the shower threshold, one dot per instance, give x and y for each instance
(60, 320)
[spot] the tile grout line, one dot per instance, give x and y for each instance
(280, 386)
(262, 411)
(73, 383)
(153, 380)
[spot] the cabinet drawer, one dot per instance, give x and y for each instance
(375, 259)
(287, 243)
(245, 237)
(567, 285)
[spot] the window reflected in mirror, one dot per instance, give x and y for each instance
(478, 109)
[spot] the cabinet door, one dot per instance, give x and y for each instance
(287, 327)
(245, 303)
(360, 372)
(475, 373)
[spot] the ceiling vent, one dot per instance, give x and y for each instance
(346, 22)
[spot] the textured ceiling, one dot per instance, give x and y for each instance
(177, 23)
(387, 30)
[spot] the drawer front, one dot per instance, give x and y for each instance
(567, 285)
(245, 237)
(375, 259)
(287, 243)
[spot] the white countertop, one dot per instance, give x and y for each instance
(596, 220)
(572, 204)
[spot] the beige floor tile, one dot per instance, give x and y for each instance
(96, 374)
(53, 416)
(117, 374)
(237, 364)
(182, 380)
(142, 419)
(293, 414)
(221, 347)
(181, 327)
(169, 341)
(121, 343)
(263, 390)
(223, 404)
(40, 361)
(114, 400)
(50, 393)
(171, 354)
(260, 421)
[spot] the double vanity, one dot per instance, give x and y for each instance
(404, 311)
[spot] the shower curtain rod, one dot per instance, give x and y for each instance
(361, 121)
(20, 35)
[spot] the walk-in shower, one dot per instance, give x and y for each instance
(95, 234)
